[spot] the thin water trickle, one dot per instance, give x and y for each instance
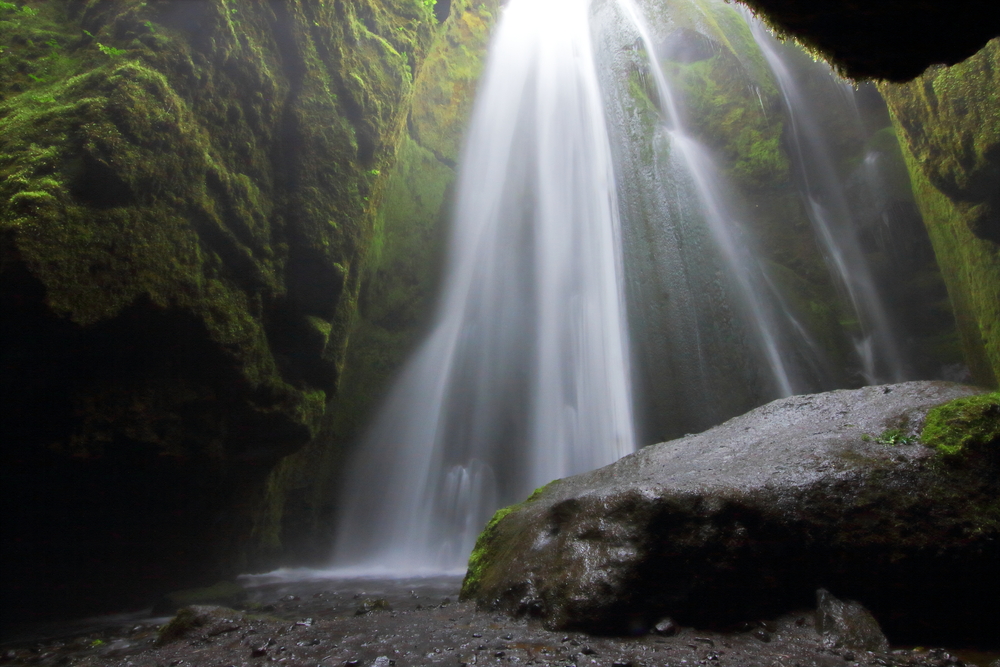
(875, 344)
(525, 376)
(763, 313)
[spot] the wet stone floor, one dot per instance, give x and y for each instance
(399, 623)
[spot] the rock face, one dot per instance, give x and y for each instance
(949, 132)
(187, 192)
(752, 517)
(891, 39)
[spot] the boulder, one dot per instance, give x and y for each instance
(750, 518)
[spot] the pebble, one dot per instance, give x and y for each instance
(666, 627)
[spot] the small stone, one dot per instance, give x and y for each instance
(258, 652)
(352, 663)
(499, 654)
(848, 624)
(508, 636)
(382, 661)
(586, 650)
(762, 635)
(621, 664)
(847, 655)
(770, 626)
(666, 627)
(477, 634)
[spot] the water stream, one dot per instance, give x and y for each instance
(567, 202)
(826, 202)
(525, 376)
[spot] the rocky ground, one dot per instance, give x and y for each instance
(399, 624)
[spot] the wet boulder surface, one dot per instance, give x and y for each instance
(750, 518)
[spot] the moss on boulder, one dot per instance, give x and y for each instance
(965, 426)
(748, 519)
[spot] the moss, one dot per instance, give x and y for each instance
(728, 116)
(949, 133)
(964, 426)
(478, 559)
(388, 294)
(187, 195)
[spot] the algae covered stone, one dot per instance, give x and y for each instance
(965, 426)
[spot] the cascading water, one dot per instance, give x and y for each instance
(829, 212)
(738, 254)
(525, 376)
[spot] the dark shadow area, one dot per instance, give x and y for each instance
(124, 446)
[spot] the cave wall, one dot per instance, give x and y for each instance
(892, 40)
(218, 223)
(948, 122)
(296, 514)
(188, 192)
(735, 108)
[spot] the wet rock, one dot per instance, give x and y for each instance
(748, 519)
(847, 624)
(205, 621)
(372, 605)
(223, 593)
(666, 627)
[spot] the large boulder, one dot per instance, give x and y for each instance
(750, 518)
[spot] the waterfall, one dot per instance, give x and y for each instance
(829, 212)
(525, 375)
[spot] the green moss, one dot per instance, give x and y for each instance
(478, 559)
(964, 426)
(890, 437)
(729, 117)
(215, 174)
(969, 265)
(387, 299)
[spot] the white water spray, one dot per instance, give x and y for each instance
(525, 375)
(764, 315)
(826, 203)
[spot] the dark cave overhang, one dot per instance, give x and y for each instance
(893, 40)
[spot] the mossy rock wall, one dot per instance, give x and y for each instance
(188, 191)
(732, 104)
(949, 129)
(400, 276)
